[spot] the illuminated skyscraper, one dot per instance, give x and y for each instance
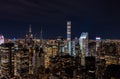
(41, 34)
(30, 30)
(29, 36)
(41, 37)
(98, 40)
(69, 37)
(73, 48)
(1, 39)
(83, 41)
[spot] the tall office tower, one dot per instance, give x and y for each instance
(98, 40)
(69, 37)
(29, 36)
(41, 37)
(83, 41)
(30, 32)
(73, 48)
(1, 39)
(21, 62)
(77, 47)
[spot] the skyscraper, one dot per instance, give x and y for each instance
(30, 30)
(98, 40)
(41, 37)
(1, 39)
(29, 36)
(69, 37)
(83, 41)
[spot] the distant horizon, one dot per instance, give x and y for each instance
(64, 37)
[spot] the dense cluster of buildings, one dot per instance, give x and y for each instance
(29, 57)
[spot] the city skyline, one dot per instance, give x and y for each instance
(98, 18)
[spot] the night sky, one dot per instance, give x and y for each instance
(97, 17)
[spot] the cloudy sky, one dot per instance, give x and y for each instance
(97, 17)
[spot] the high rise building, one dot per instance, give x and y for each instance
(21, 62)
(1, 39)
(41, 37)
(75, 43)
(30, 30)
(29, 36)
(83, 41)
(69, 37)
(73, 48)
(98, 40)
